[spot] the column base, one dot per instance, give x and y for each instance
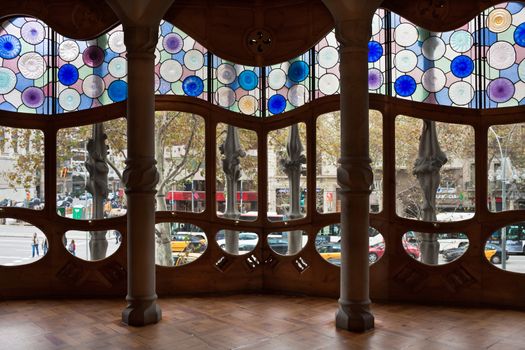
(354, 317)
(141, 313)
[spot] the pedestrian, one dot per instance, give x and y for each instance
(34, 246)
(44, 246)
(72, 247)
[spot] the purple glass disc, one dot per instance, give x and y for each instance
(500, 90)
(172, 43)
(375, 79)
(33, 97)
(93, 56)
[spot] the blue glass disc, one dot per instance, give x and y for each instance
(118, 90)
(248, 80)
(298, 71)
(519, 35)
(193, 86)
(462, 66)
(68, 74)
(405, 85)
(375, 51)
(9, 46)
(276, 104)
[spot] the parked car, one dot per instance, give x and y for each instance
(495, 257)
(181, 242)
(375, 252)
(331, 252)
(245, 239)
(412, 250)
(278, 245)
(492, 253)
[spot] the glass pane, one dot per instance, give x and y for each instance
(180, 64)
(288, 84)
(21, 168)
(512, 239)
(92, 245)
(328, 147)
(88, 186)
(237, 87)
(506, 167)
(328, 244)
(236, 173)
(24, 66)
(454, 189)
(237, 242)
(91, 73)
(187, 242)
(503, 41)
(434, 67)
(287, 197)
(435, 248)
(287, 243)
(179, 149)
(376, 54)
(21, 242)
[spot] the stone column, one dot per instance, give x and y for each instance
(353, 29)
(141, 20)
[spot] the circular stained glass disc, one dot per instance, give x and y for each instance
(461, 41)
(193, 86)
(433, 80)
(116, 42)
(276, 79)
(328, 84)
(171, 70)
(248, 104)
(225, 96)
(157, 82)
(33, 32)
(405, 85)
(405, 61)
(501, 55)
(172, 43)
(375, 79)
(68, 74)
(377, 24)
(194, 60)
(118, 91)
(93, 56)
(499, 20)
(33, 97)
(93, 86)
(433, 48)
(69, 99)
(298, 95)
(118, 67)
(462, 66)
(406, 34)
(298, 71)
(500, 90)
(276, 104)
(10, 46)
(519, 35)
(375, 51)
(226, 73)
(31, 65)
(461, 93)
(68, 50)
(521, 70)
(248, 80)
(7, 80)
(328, 57)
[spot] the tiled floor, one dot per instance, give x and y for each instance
(252, 322)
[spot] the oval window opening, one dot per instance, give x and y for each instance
(328, 244)
(287, 243)
(187, 242)
(21, 242)
(505, 248)
(92, 245)
(435, 248)
(236, 242)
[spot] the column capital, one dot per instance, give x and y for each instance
(140, 175)
(140, 13)
(141, 40)
(355, 175)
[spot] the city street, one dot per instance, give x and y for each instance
(15, 244)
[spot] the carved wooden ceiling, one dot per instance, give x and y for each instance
(247, 32)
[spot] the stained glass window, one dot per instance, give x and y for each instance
(327, 66)
(91, 73)
(24, 66)
(376, 54)
(288, 84)
(434, 67)
(237, 87)
(503, 41)
(181, 64)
